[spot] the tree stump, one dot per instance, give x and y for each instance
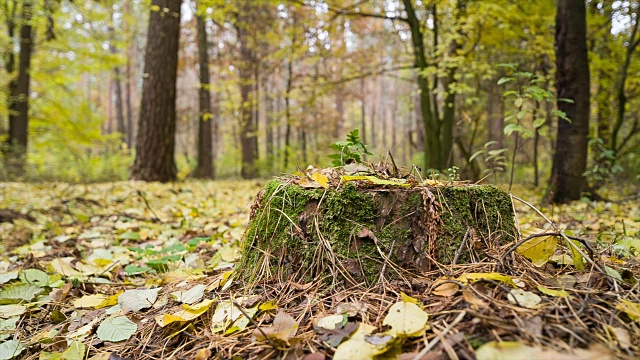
(356, 232)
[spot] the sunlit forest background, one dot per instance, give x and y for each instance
(291, 77)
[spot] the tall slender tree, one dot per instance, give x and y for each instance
(19, 93)
(572, 81)
(157, 123)
(205, 167)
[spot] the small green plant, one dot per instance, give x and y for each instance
(350, 150)
(527, 92)
(604, 163)
(452, 173)
(495, 159)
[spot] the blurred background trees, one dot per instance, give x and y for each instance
(265, 86)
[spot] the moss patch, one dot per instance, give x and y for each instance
(352, 233)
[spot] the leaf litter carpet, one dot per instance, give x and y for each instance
(145, 271)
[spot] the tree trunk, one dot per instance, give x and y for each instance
(19, 123)
(157, 122)
(129, 83)
(572, 82)
(205, 167)
(432, 147)
(363, 108)
(117, 82)
(10, 63)
(270, 123)
(247, 121)
(287, 114)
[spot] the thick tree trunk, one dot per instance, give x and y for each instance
(205, 167)
(572, 81)
(157, 123)
(19, 105)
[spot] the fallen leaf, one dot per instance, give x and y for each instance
(406, 319)
(268, 305)
(335, 336)
(331, 322)
(632, 309)
(621, 335)
(115, 329)
(136, 300)
(283, 328)
(7, 311)
(524, 298)
(551, 292)
(445, 287)
(539, 249)
(89, 301)
(187, 313)
(473, 277)
(472, 300)
(226, 313)
(352, 308)
(320, 179)
(189, 296)
(10, 349)
(508, 350)
(203, 354)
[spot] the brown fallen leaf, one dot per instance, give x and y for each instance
(284, 327)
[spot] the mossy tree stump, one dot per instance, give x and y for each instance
(355, 233)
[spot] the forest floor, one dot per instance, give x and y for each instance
(145, 271)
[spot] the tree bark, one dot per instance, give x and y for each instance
(247, 121)
(10, 60)
(572, 82)
(432, 147)
(287, 113)
(205, 167)
(117, 82)
(19, 106)
(157, 122)
(129, 84)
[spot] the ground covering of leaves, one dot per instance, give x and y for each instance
(145, 271)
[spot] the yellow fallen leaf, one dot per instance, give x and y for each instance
(539, 249)
(188, 313)
(406, 319)
(90, 301)
(630, 308)
(409, 299)
(473, 277)
(268, 305)
(320, 179)
(551, 292)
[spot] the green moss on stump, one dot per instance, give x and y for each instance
(302, 234)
